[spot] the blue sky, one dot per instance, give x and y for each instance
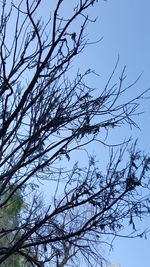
(126, 31)
(124, 24)
(125, 27)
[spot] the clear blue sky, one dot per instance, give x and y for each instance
(126, 31)
(125, 26)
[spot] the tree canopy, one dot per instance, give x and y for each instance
(48, 113)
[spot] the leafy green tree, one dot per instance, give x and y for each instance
(9, 219)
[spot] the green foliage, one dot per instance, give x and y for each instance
(9, 213)
(9, 219)
(14, 261)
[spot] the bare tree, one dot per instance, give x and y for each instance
(45, 115)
